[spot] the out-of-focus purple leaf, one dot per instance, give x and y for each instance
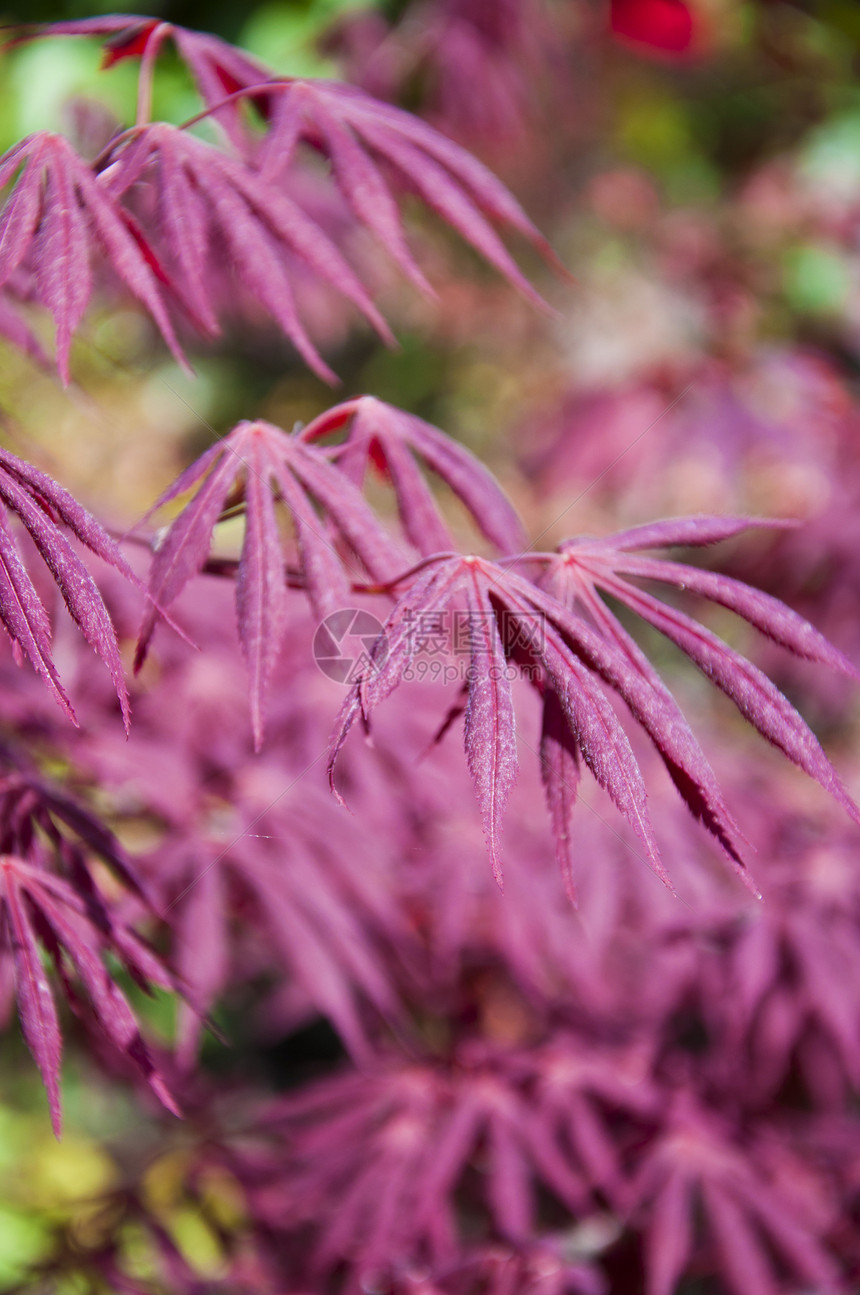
(39, 1021)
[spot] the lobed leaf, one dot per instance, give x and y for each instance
(755, 696)
(583, 567)
(490, 732)
(73, 923)
(35, 497)
(267, 466)
(79, 590)
(356, 131)
(380, 434)
(56, 217)
(258, 225)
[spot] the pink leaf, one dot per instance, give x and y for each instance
(269, 466)
(449, 180)
(38, 1012)
(767, 614)
(261, 592)
(490, 728)
(560, 772)
(57, 216)
(376, 429)
(257, 223)
(669, 1237)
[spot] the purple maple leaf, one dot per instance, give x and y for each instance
(582, 568)
(272, 466)
(398, 1145)
(395, 1145)
(49, 897)
(37, 500)
(320, 891)
(364, 138)
(695, 1175)
(387, 438)
(573, 660)
(203, 196)
(57, 215)
(206, 200)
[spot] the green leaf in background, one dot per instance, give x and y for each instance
(38, 81)
(830, 160)
(816, 280)
(24, 1239)
(285, 35)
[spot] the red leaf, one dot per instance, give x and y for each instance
(128, 43)
(665, 25)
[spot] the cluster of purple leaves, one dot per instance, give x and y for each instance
(555, 622)
(164, 211)
(584, 1093)
(767, 420)
(52, 897)
(509, 48)
(603, 1100)
(646, 1093)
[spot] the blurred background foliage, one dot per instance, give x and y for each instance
(702, 204)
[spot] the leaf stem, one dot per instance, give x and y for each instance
(247, 92)
(147, 72)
